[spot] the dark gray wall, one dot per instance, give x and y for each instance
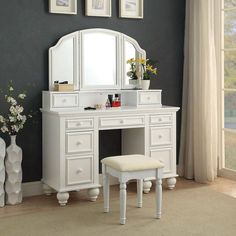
(27, 30)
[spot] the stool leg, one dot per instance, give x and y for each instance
(158, 193)
(106, 188)
(139, 193)
(123, 195)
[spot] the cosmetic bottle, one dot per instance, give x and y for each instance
(116, 101)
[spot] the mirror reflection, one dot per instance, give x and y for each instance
(130, 52)
(99, 56)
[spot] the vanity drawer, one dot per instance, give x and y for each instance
(121, 121)
(79, 123)
(161, 135)
(64, 100)
(149, 98)
(79, 142)
(161, 119)
(165, 155)
(79, 170)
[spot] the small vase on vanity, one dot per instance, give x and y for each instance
(145, 83)
(2, 172)
(13, 173)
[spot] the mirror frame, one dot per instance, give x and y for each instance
(74, 73)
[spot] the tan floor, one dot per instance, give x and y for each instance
(42, 203)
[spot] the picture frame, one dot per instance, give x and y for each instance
(63, 6)
(131, 9)
(100, 8)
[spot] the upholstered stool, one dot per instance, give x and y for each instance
(130, 167)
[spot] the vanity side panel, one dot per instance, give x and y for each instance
(51, 151)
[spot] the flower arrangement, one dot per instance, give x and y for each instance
(148, 70)
(132, 73)
(14, 121)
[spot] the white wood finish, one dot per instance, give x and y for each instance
(77, 142)
(64, 100)
(142, 98)
(71, 137)
(74, 124)
(80, 170)
(66, 59)
(121, 122)
(124, 177)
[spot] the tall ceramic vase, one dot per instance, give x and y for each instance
(13, 173)
(2, 172)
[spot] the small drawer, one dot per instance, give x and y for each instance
(78, 142)
(65, 100)
(164, 155)
(79, 170)
(149, 98)
(161, 119)
(79, 124)
(121, 121)
(161, 135)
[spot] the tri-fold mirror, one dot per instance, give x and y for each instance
(93, 59)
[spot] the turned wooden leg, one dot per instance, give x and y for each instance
(47, 190)
(123, 195)
(171, 183)
(62, 198)
(158, 193)
(93, 194)
(106, 188)
(147, 184)
(139, 193)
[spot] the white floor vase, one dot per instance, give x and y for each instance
(13, 173)
(2, 172)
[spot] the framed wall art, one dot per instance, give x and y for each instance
(63, 6)
(131, 9)
(100, 8)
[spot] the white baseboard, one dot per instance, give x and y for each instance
(32, 189)
(36, 188)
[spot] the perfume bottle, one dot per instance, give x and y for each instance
(116, 101)
(108, 104)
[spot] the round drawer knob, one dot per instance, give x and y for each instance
(79, 143)
(79, 123)
(79, 171)
(160, 136)
(159, 119)
(148, 98)
(64, 100)
(121, 121)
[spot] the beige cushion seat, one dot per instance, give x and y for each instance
(132, 163)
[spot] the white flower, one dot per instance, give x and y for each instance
(19, 109)
(12, 118)
(2, 119)
(11, 100)
(4, 129)
(15, 128)
(11, 89)
(22, 96)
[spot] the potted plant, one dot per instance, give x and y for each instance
(132, 73)
(149, 71)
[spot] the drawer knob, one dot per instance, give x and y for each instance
(148, 98)
(79, 143)
(159, 119)
(79, 123)
(121, 121)
(160, 136)
(79, 171)
(64, 100)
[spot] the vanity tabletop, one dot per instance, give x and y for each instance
(115, 111)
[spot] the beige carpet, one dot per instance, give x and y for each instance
(196, 211)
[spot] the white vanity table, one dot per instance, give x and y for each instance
(71, 134)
